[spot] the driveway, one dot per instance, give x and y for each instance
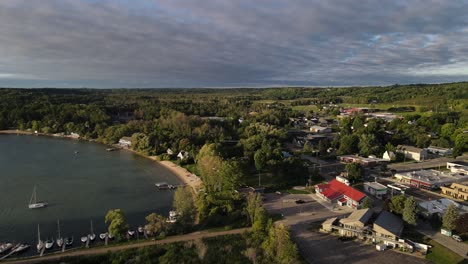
(457, 247)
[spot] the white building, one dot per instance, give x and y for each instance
(413, 153)
(458, 167)
(376, 189)
(125, 142)
(429, 179)
(320, 129)
(440, 151)
(389, 155)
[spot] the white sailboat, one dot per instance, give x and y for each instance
(40, 243)
(59, 240)
(92, 236)
(33, 203)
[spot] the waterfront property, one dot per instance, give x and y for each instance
(340, 193)
(125, 142)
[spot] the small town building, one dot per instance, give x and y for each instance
(413, 153)
(183, 155)
(387, 226)
(376, 189)
(440, 151)
(340, 193)
(125, 142)
(389, 156)
(456, 190)
(320, 129)
(354, 224)
(438, 207)
(429, 179)
(366, 162)
(458, 167)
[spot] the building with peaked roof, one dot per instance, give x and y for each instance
(388, 225)
(338, 192)
(354, 224)
(413, 153)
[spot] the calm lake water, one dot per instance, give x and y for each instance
(78, 187)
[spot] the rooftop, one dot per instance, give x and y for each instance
(335, 189)
(362, 215)
(390, 222)
(376, 185)
(433, 176)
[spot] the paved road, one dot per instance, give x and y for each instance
(457, 247)
(430, 163)
(104, 250)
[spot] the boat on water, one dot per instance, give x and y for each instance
(19, 248)
(131, 232)
(33, 203)
(59, 237)
(172, 217)
(49, 243)
(40, 244)
(111, 236)
(162, 185)
(92, 236)
(84, 239)
(68, 241)
(103, 236)
(4, 247)
(111, 149)
(141, 230)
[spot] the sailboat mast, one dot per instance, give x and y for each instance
(92, 227)
(58, 225)
(38, 235)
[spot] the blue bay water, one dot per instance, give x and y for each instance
(78, 187)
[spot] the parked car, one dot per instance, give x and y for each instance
(457, 238)
(300, 201)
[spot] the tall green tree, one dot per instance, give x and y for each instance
(410, 211)
(368, 145)
(397, 204)
(278, 247)
(155, 224)
(450, 217)
(355, 171)
(117, 223)
(184, 205)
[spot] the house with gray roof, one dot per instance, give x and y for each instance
(388, 225)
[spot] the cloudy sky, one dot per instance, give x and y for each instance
(227, 43)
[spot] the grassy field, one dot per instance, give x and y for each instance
(440, 254)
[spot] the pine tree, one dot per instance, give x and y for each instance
(450, 217)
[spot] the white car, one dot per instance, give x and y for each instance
(457, 238)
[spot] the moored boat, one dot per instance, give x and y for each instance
(141, 230)
(84, 239)
(49, 243)
(40, 244)
(111, 236)
(103, 236)
(69, 241)
(59, 237)
(19, 248)
(131, 232)
(4, 247)
(92, 236)
(162, 185)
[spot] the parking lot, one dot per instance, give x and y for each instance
(320, 248)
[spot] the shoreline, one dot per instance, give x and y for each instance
(188, 178)
(183, 174)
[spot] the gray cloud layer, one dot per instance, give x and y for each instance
(172, 43)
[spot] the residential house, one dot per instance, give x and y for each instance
(388, 226)
(456, 190)
(413, 153)
(125, 142)
(439, 207)
(354, 224)
(340, 193)
(389, 155)
(183, 155)
(320, 129)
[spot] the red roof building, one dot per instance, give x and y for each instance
(335, 190)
